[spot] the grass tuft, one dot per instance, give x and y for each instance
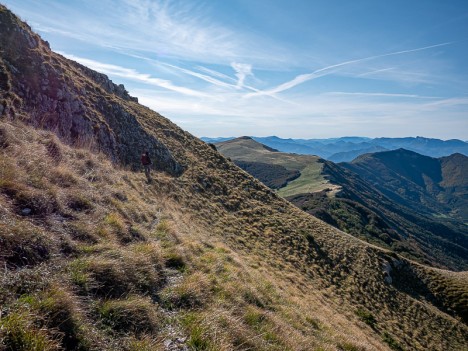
(174, 260)
(366, 317)
(78, 202)
(24, 244)
(135, 314)
(116, 273)
(63, 177)
(199, 338)
(60, 313)
(391, 342)
(144, 343)
(19, 332)
(192, 292)
(82, 232)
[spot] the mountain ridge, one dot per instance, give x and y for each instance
(345, 149)
(205, 256)
(412, 175)
(356, 205)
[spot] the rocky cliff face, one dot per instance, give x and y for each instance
(83, 107)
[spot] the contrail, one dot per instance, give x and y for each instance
(323, 71)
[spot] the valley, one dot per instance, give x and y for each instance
(416, 213)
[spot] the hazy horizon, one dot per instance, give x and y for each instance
(300, 69)
(333, 137)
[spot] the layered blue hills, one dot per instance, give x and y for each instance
(346, 149)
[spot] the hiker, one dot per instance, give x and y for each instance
(146, 162)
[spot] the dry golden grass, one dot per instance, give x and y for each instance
(93, 256)
(19, 332)
(134, 314)
(237, 267)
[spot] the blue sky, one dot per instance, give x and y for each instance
(300, 69)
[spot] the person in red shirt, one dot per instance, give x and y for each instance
(146, 162)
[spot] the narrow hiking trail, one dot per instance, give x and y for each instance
(172, 334)
(174, 338)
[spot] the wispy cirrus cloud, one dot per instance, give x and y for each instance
(208, 70)
(242, 71)
(215, 73)
(333, 68)
(375, 71)
(134, 75)
(204, 77)
(180, 30)
(388, 95)
(313, 116)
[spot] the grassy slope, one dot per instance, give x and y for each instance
(248, 150)
(311, 180)
(359, 208)
(455, 183)
(212, 255)
(426, 184)
(251, 278)
(273, 176)
(98, 253)
(364, 211)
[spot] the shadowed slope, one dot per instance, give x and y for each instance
(428, 185)
(359, 206)
(362, 210)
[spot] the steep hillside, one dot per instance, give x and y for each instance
(273, 176)
(420, 182)
(358, 207)
(362, 210)
(455, 182)
(81, 106)
(205, 257)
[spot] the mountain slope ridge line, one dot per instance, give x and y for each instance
(258, 273)
(358, 204)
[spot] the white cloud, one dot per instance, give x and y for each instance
(332, 69)
(243, 70)
(191, 52)
(182, 30)
(389, 95)
(177, 30)
(215, 73)
(324, 115)
(134, 75)
(376, 71)
(201, 76)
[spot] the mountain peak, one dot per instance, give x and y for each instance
(245, 142)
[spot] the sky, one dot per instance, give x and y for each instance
(295, 68)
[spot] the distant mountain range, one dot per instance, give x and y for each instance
(346, 149)
(413, 204)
